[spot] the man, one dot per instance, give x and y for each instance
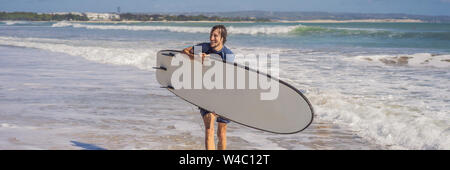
(217, 37)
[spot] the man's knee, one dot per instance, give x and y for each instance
(209, 119)
(222, 129)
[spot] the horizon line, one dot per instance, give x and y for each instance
(162, 12)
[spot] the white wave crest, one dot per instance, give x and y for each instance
(14, 22)
(394, 126)
(62, 24)
(140, 58)
(231, 29)
(418, 60)
(262, 29)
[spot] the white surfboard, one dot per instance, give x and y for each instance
(290, 112)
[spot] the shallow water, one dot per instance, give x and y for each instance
(57, 101)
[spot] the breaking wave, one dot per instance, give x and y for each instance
(296, 30)
(417, 60)
(252, 30)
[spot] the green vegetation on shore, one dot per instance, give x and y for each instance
(238, 16)
(159, 17)
(30, 16)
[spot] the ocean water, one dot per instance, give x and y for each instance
(71, 85)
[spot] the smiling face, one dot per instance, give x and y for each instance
(216, 38)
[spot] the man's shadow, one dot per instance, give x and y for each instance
(87, 146)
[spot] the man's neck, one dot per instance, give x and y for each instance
(218, 48)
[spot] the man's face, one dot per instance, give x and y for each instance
(215, 38)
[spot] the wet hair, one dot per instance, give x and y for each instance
(223, 32)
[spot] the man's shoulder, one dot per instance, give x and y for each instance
(203, 44)
(226, 50)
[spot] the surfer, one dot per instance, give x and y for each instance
(217, 37)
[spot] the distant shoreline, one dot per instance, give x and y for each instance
(225, 17)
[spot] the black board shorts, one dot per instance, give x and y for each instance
(203, 112)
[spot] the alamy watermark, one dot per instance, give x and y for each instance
(215, 74)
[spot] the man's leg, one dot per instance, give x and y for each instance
(222, 135)
(209, 120)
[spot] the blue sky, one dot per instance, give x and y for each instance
(423, 7)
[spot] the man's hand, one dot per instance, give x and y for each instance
(204, 55)
(188, 51)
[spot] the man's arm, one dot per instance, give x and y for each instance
(190, 52)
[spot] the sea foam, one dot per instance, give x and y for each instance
(143, 58)
(416, 60)
(251, 30)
